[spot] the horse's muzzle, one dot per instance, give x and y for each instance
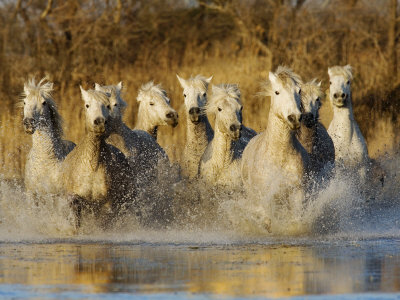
(99, 125)
(308, 120)
(194, 115)
(294, 121)
(172, 118)
(339, 100)
(236, 131)
(29, 125)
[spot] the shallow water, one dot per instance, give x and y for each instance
(78, 269)
(345, 244)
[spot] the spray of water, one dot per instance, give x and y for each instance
(339, 207)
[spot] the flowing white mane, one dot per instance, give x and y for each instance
(311, 88)
(93, 95)
(222, 93)
(152, 90)
(287, 77)
(44, 90)
(199, 82)
(345, 71)
(115, 91)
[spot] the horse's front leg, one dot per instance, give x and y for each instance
(77, 206)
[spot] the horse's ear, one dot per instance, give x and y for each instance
(209, 79)
(272, 77)
(319, 84)
(349, 70)
(84, 93)
(97, 86)
(181, 81)
(330, 72)
(139, 98)
(120, 86)
(26, 89)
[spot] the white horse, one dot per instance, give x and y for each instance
(154, 109)
(220, 163)
(198, 129)
(350, 147)
(42, 121)
(276, 153)
(95, 173)
(313, 135)
(139, 146)
(145, 156)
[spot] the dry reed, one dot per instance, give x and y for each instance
(86, 41)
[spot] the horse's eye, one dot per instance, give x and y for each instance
(151, 103)
(44, 103)
(300, 92)
(184, 95)
(87, 105)
(24, 103)
(317, 99)
(108, 106)
(330, 82)
(219, 109)
(348, 82)
(204, 95)
(115, 104)
(276, 93)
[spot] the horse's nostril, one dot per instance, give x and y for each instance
(335, 95)
(28, 121)
(233, 127)
(194, 110)
(291, 118)
(343, 95)
(99, 121)
(170, 115)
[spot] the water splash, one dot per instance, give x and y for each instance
(341, 208)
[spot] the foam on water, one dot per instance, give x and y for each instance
(341, 209)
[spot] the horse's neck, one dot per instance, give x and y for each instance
(90, 149)
(199, 135)
(279, 137)
(308, 137)
(343, 123)
(122, 139)
(344, 113)
(143, 123)
(346, 134)
(221, 149)
(47, 144)
(126, 133)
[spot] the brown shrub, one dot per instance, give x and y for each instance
(87, 41)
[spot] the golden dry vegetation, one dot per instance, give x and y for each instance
(76, 42)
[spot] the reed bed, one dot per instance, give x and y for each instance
(82, 42)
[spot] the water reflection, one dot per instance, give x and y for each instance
(256, 270)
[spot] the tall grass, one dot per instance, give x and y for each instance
(84, 41)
